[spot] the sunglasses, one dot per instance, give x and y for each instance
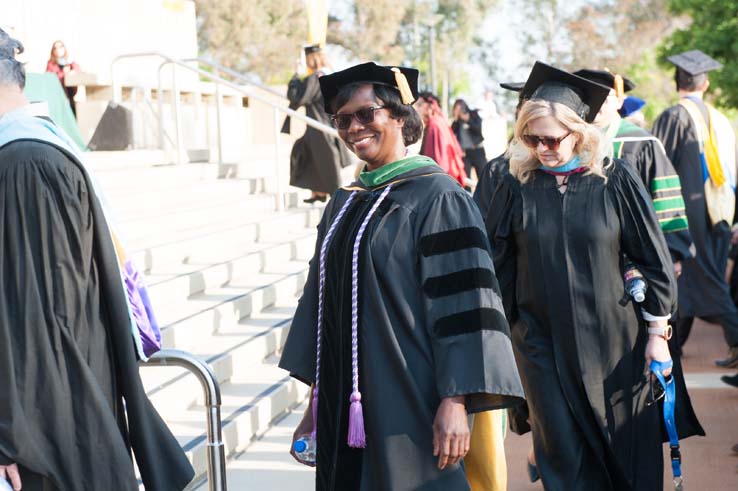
(549, 142)
(656, 391)
(364, 116)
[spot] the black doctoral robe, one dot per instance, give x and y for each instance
(431, 325)
(72, 404)
(579, 350)
(703, 291)
(646, 154)
(317, 158)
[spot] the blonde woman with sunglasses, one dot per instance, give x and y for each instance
(560, 223)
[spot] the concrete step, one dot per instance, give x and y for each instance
(218, 240)
(187, 323)
(252, 400)
(266, 464)
(192, 277)
(236, 349)
(127, 159)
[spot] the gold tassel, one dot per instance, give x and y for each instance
(403, 86)
(619, 85)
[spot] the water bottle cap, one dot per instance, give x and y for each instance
(639, 296)
(300, 446)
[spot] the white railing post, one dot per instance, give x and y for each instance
(277, 174)
(177, 121)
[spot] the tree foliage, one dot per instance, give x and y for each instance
(263, 37)
(713, 30)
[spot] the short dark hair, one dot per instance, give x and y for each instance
(11, 70)
(412, 128)
(688, 82)
(12, 73)
(429, 96)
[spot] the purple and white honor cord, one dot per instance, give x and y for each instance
(321, 289)
(356, 433)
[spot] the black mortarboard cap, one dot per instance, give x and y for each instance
(694, 62)
(9, 47)
(548, 83)
(606, 78)
(513, 86)
(312, 48)
(405, 80)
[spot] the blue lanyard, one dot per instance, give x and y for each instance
(669, 400)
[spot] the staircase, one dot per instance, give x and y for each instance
(224, 272)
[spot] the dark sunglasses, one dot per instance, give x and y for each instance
(548, 141)
(364, 115)
(656, 391)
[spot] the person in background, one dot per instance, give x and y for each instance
(646, 154)
(61, 64)
(400, 330)
(467, 127)
(560, 222)
(632, 110)
(700, 142)
(73, 410)
(439, 142)
(317, 158)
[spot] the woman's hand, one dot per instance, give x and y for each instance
(657, 349)
(451, 435)
(11, 472)
(305, 428)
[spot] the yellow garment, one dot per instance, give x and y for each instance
(719, 195)
(486, 469)
(317, 12)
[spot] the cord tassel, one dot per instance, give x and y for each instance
(403, 86)
(356, 433)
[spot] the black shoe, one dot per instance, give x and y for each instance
(731, 361)
(313, 199)
(731, 380)
(735, 448)
(532, 472)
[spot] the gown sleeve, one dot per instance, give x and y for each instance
(666, 194)
(464, 315)
(499, 224)
(298, 355)
(642, 240)
(671, 132)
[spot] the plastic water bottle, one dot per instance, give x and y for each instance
(305, 449)
(635, 284)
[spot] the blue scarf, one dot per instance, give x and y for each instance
(567, 167)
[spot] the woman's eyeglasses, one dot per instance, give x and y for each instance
(549, 142)
(364, 115)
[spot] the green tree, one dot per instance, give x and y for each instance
(263, 37)
(713, 30)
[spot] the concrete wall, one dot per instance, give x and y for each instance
(95, 31)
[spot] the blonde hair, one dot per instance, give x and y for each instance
(591, 144)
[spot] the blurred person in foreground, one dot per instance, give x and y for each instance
(61, 65)
(560, 222)
(317, 158)
(400, 331)
(700, 142)
(439, 142)
(467, 127)
(73, 407)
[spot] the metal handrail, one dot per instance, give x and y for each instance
(209, 382)
(233, 73)
(277, 108)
